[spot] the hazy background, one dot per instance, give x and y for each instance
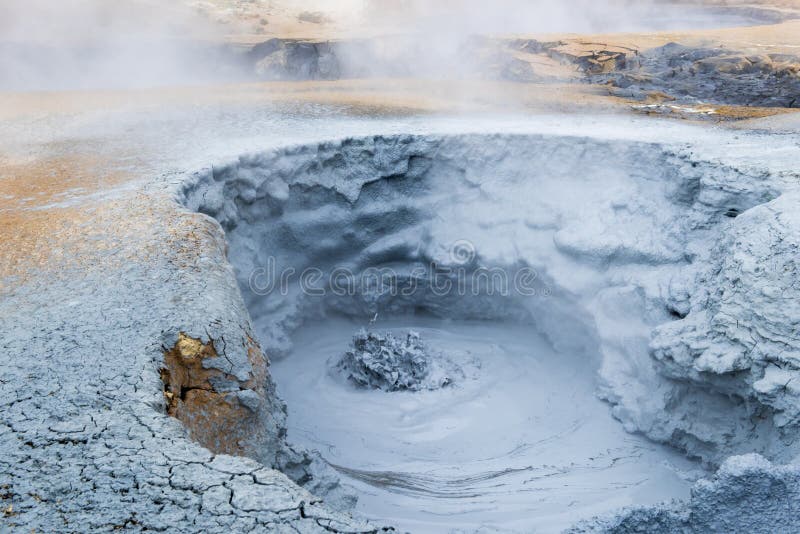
(79, 44)
(76, 44)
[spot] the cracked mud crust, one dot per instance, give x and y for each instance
(85, 443)
(92, 293)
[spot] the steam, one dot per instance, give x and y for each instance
(79, 44)
(442, 39)
(535, 16)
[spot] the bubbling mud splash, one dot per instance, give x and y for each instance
(389, 363)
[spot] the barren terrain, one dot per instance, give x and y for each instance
(136, 392)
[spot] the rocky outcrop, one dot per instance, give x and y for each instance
(592, 62)
(677, 72)
(716, 75)
(292, 59)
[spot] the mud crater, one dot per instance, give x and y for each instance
(616, 237)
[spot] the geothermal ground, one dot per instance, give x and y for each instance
(277, 267)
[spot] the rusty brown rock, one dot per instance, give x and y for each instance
(215, 419)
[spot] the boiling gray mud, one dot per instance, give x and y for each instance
(519, 442)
